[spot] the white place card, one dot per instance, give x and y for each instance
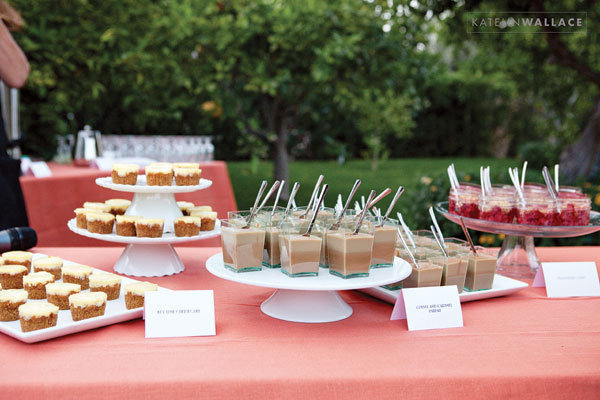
(568, 279)
(429, 308)
(179, 313)
(40, 169)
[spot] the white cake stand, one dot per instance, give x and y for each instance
(147, 256)
(153, 201)
(308, 299)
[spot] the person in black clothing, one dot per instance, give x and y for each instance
(14, 70)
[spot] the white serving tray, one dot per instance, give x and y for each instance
(115, 312)
(502, 286)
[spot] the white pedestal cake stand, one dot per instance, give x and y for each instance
(308, 299)
(147, 256)
(153, 201)
(150, 256)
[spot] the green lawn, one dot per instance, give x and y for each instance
(391, 173)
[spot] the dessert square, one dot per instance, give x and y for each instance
(187, 176)
(187, 226)
(18, 258)
(96, 207)
(125, 225)
(208, 219)
(87, 305)
(10, 300)
(124, 174)
(77, 273)
(184, 206)
(107, 283)
(49, 264)
(58, 293)
(199, 209)
(135, 293)
(100, 223)
(159, 175)
(80, 217)
(189, 165)
(11, 276)
(149, 227)
(36, 315)
(118, 206)
(35, 284)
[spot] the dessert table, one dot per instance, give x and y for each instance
(524, 345)
(50, 201)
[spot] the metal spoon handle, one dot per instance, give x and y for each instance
(277, 198)
(314, 216)
(466, 232)
(392, 204)
(364, 213)
(314, 194)
(376, 199)
(350, 196)
(291, 200)
(268, 196)
(263, 186)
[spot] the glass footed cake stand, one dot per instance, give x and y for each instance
(312, 299)
(517, 257)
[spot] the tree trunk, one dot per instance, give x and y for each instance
(582, 158)
(280, 161)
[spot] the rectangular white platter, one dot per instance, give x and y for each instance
(502, 286)
(115, 312)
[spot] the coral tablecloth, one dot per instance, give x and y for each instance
(50, 201)
(522, 346)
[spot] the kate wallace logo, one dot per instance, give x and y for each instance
(527, 22)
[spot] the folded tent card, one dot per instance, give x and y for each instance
(568, 279)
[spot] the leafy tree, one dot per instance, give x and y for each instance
(556, 76)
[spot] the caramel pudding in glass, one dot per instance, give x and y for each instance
(480, 271)
(300, 254)
(454, 270)
(271, 220)
(349, 253)
(384, 244)
(242, 248)
(424, 274)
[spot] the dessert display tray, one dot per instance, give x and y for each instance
(308, 299)
(502, 286)
(517, 257)
(147, 256)
(520, 229)
(166, 237)
(115, 312)
(142, 187)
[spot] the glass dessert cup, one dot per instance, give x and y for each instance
(465, 200)
(350, 253)
(300, 254)
(242, 248)
(573, 211)
(454, 270)
(424, 238)
(536, 211)
(384, 243)
(424, 274)
(517, 257)
(480, 270)
(271, 221)
(499, 208)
